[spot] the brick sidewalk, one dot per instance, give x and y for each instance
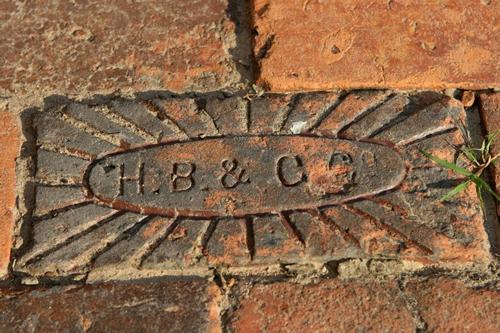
(244, 166)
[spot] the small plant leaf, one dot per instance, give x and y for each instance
(491, 191)
(481, 158)
(465, 134)
(480, 196)
(490, 140)
(480, 183)
(487, 143)
(471, 155)
(456, 190)
(483, 149)
(446, 164)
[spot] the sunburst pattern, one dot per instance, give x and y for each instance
(72, 234)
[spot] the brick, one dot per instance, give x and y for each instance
(77, 48)
(317, 45)
(433, 305)
(490, 111)
(174, 186)
(152, 306)
(447, 305)
(9, 141)
(329, 306)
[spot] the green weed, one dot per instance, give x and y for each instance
(479, 159)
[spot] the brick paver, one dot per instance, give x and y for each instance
(435, 305)
(314, 45)
(147, 306)
(330, 306)
(450, 306)
(94, 46)
(127, 188)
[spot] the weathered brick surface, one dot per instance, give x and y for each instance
(490, 111)
(329, 306)
(159, 179)
(311, 45)
(9, 143)
(171, 186)
(436, 305)
(449, 306)
(94, 46)
(155, 306)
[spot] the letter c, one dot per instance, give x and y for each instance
(290, 162)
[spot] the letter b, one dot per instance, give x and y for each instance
(182, 176)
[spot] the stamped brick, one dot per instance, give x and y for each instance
(174, 186)
(314, 45)
(330, 306)
(10, 143)
(95, 47)
(490, 111)
(143, 306)
(447, 305)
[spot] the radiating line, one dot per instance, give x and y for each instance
(344, 120)
(122, 121)
(393, 109)
(426, 232)
(58, 149)
(248, 116)
(392, 231)
(386, 203)
(51, 213)
(334, 226)
(291, 230)
(56, 243)
(91, 130)
(70, 182)
(399, 118)
(111, 240)
(203, 238)
(76, 186)
(367, 110)
(249, 236)
(161, 115)
(212, 121)
(426, 135)
(326, 112)
(154, 241)
(282, 117)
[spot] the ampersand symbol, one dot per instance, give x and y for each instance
(234, 174)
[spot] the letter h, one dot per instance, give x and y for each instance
(138, 179)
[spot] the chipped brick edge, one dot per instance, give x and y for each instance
(490, 112)
(9, 141)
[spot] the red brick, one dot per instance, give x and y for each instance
(399, 44)
(490, 111)
(77, 47)
(450, 306)
(175, 306)
(9, 141)
(391, 208)
(330, 306)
